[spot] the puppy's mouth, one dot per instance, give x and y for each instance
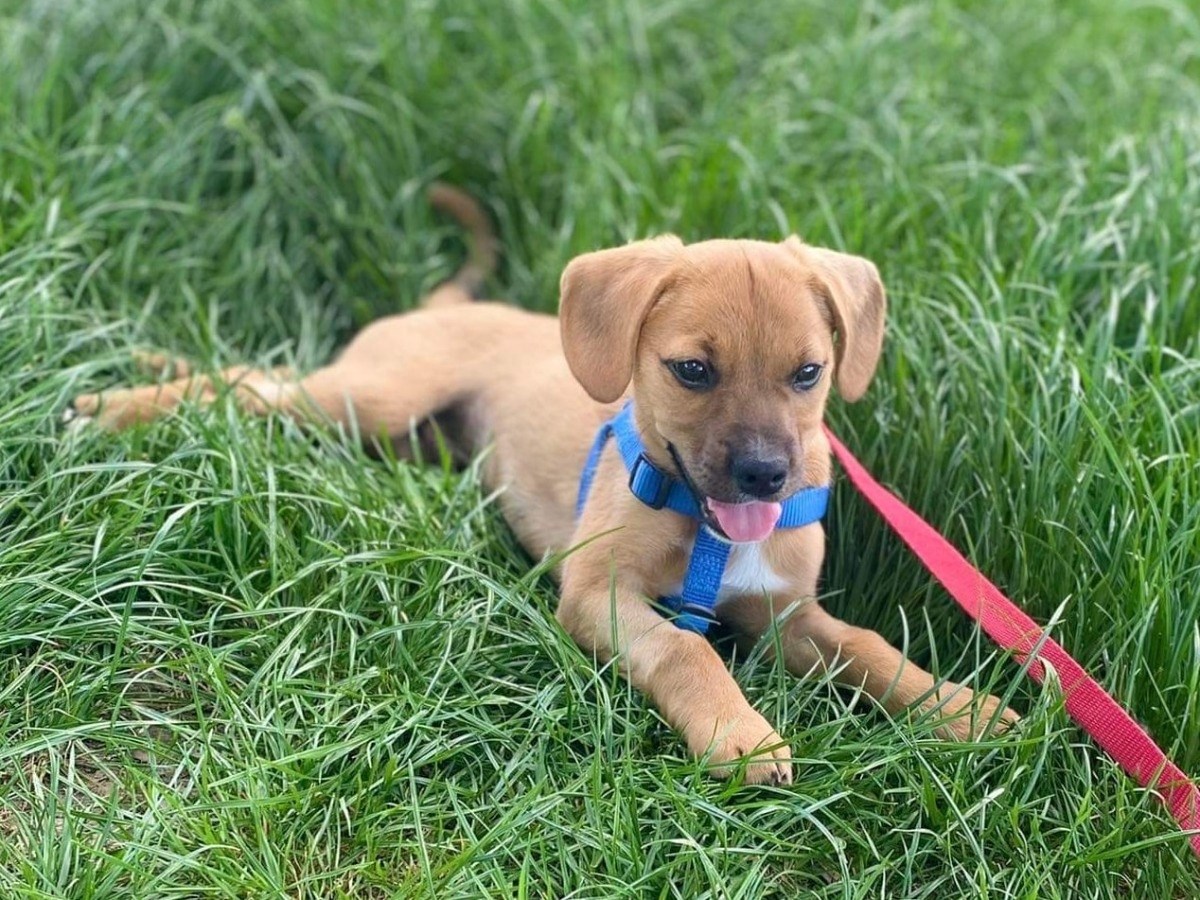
(742, 523)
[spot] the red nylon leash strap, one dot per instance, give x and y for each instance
(1086, 701)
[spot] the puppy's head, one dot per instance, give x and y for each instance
(731, 348)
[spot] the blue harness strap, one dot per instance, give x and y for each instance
(695, 607)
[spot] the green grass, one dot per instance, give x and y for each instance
(239, 662)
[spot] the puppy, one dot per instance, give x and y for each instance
(728, 350)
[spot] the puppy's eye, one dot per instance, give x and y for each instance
(692, 373)
(806, 377)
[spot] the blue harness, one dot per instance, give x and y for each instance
(695, 608)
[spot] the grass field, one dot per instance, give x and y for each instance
(237, 662)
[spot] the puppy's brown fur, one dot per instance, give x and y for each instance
(535, 389)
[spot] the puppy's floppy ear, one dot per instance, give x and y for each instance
(858, 305)
(605, 297)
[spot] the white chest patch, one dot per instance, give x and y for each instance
(748, 572)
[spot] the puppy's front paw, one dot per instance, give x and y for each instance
(746, 736)
(969, 717)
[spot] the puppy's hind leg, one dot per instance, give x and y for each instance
(395, 372)
(379, 402)
(257, 390)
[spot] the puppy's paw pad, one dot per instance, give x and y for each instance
(75, 420)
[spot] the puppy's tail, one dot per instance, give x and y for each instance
(483, 249)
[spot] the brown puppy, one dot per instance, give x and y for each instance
(729, 350)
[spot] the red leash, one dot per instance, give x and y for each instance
(1088, 703)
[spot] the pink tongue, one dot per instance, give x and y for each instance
(745, 523)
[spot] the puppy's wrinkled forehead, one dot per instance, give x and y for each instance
(739, 302)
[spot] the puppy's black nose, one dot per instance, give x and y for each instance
(759, 477)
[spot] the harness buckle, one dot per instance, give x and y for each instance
(644, 474)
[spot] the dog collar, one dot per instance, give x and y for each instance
(695, 607)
